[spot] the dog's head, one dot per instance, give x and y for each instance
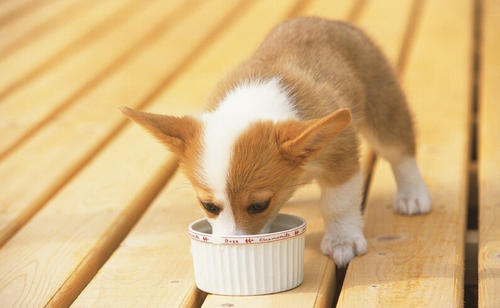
(242, 176)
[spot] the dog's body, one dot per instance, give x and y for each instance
(281, 119)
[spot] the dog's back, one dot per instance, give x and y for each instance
(330, 65)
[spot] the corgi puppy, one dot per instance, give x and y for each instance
(290, 114)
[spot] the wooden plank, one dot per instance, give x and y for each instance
(77, 74)
(418, 261)
(75, 147)
(318, 291)
(169, 282)
(73, 235)
(13, 9)
(93, 119)
(35, 23)
(46, 50)
(489, 159)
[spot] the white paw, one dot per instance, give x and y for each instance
(413, 200)
(342, 251)
(412, 197)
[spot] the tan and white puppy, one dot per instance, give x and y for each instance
(283, 118)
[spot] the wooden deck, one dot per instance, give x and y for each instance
(93, 212)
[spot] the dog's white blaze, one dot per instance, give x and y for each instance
(224, 223)
(243, 105)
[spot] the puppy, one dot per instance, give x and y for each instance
(287, 115)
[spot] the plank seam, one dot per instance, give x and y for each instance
(42, 28)
(18, 12)
(297, 8)
(408, 38)
(327, 281)
(473, 178)
(111, 239)
(40, 203)
(97, 31)
(357, 10)
(136, 48)
(195, 52)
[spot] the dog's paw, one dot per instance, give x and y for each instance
(343, 251)
(413, 200)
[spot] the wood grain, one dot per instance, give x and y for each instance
(22, 113)
(418, 261)
(46, 50)
(14, 9)
(67, 149)
(489, 159)
(35, 23)
(70, 139)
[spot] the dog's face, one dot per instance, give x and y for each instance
(242, 178)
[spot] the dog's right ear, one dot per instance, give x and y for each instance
(300, 140)
(174, 132)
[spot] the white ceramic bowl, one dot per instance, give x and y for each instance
(249, 264)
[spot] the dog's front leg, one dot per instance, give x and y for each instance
(340, 204)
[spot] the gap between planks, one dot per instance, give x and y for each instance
(33, 201)
(29, 27)
(471, 247)
(81, 158)
(8, 15)
(101, 75)
(22, 74)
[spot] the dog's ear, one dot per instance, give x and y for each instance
(174, 132)
(300, 140)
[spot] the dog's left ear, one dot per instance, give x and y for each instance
(174, 132)
(300, 140)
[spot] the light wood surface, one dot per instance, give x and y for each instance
(489, 158)
(418, 261)
(12, 10)
(23, 112)
(75, 135)
(93, 212)
(35, 22)
(33, 57)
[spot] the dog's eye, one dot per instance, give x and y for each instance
(258, 207)
(212, 208)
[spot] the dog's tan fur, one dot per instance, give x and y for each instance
(327, 67)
